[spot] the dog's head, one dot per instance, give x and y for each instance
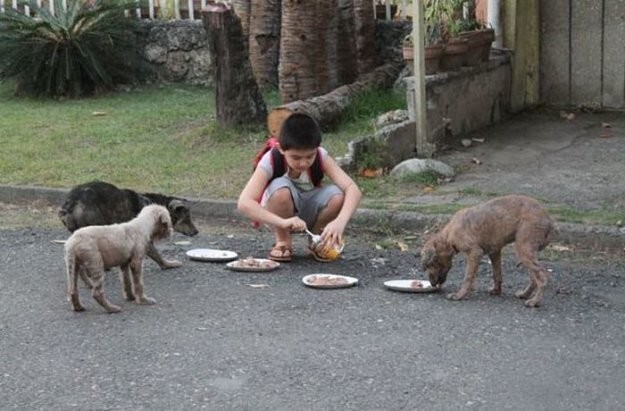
(162, 227)
(436, 259)
(181, 217)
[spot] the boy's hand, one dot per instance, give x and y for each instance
(333, 233)
(294, 224)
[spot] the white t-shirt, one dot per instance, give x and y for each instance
(303, 182)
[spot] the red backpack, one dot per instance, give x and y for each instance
(315, 172)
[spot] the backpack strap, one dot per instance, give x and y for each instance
(315, 172)
(277, 164)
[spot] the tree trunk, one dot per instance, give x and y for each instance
(327, 41)
(265, 41)
(346, 52)
(242, 8)
(364, 25)
(238, 100)
(298, 42)
(328, 109)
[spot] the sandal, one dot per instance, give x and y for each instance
(318, 256)
(282, 253)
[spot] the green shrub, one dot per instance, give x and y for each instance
(88, 48)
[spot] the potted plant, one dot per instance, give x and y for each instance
(456, 47)
(434, 45)
(462, 24)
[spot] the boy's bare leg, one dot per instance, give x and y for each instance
(281, 203)
(329, 212)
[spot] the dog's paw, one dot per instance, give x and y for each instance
(495, 291)
(455, 296)
(145, 300)
(532, 303)
(171, 264)
(111, 309)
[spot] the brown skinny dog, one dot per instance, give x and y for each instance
(484, 230)
(92, 250)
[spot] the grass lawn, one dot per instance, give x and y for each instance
(160, 139)
(165, 139)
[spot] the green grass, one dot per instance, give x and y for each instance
(151, 139)
(165, 139)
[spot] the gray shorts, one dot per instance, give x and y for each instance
(307, 204)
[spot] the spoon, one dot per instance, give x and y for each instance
(316, 238)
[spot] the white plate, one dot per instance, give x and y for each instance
(209, 254)
(346, 281)
(407, 286)
(263, 264)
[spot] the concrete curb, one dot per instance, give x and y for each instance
(591, 235)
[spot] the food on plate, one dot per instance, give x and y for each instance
(416, 284)
(327, 280)
(328, 251)
(251, 262)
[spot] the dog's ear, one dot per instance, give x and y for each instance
(428, 256)
(176, 205)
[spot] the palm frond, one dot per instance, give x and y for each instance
(73, 52)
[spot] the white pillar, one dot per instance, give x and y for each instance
(494, 21)
(418, 41)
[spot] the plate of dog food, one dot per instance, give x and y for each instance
(329, 281)
(410, 286)
(251, 264)
(212, 255)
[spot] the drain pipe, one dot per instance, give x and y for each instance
(494, 21)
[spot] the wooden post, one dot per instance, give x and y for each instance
(238, 99)
(419, 79)
(522, 34)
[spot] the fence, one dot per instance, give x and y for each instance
(146, 9)
(191, 9)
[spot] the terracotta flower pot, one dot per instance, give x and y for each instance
(455, 53)
(475, 41)
(433, 54)
(488, 36)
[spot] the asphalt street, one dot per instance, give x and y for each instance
(223, 340)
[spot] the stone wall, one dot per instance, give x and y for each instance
(176, 52)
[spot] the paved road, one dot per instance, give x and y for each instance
(213, 341)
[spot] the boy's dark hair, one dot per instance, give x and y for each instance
(300, 131)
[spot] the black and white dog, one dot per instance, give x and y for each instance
(100, 203)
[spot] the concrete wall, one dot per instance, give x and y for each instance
(460, 102)
(582, 48)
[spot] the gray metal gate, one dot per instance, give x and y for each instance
(582, 52)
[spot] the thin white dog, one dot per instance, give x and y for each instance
(92, 250)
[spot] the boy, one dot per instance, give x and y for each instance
(294, 199)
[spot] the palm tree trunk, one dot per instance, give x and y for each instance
(238, 99)
(328, 108)
(365, 35)
(265, 41)
(242, 8)
(297, 44)
(327, 45)
(346, 52)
